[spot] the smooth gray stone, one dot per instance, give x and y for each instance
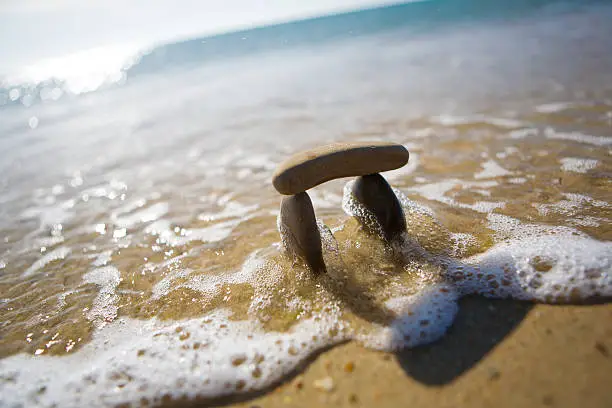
(376, 195)
(299, 231)
(310, 168)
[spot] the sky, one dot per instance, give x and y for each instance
(35, 30)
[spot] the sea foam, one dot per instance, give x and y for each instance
(154, 361)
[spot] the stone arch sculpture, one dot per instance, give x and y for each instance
(302, 171)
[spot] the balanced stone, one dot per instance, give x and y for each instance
(374, 193)
(313, 167)
(299, 231)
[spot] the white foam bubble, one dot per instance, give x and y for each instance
(424, 133)
(491, 169)
(110, 190)
(581, 198)
(554, 107)
(148, 214)
(130, 360)
(211, 282)
(55, 255)
(452, 120)
(536, 262)
(545, 267)
(561, 207)
(461, 241)
(422, 318)
(550, 133)
(256, 161)
(410, 206)
(165, 285)
(588, 221)
(578, 165)
(437, 192)
(231, 209)
(50, 215)
(104, 308)
(506, 227)
(354, 208)
(483, 206)
(213, 233)
(523, 133)
(517, 180)
(571, 206)
(102, 258)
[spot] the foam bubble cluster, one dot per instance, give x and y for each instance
(132, 360)
(104, 307)
(270, 314)
(421, 318)
(56, 254)
(552, 268)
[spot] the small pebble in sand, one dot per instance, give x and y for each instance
(353, 399)
(548, 400)
(494, 374)
(324, 384)
(328, 364)
(349, 367)
(599, 346)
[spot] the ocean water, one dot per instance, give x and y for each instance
(140, 262)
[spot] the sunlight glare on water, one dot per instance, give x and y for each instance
(79, 72)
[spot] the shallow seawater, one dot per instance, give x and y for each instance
(140, 260)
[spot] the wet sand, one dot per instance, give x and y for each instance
(126, 222)
(497, 354)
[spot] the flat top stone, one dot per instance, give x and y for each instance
(310, 168)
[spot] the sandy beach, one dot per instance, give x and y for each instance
(497, 354)
(145, 257)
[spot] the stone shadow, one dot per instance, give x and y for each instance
(480, 325)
